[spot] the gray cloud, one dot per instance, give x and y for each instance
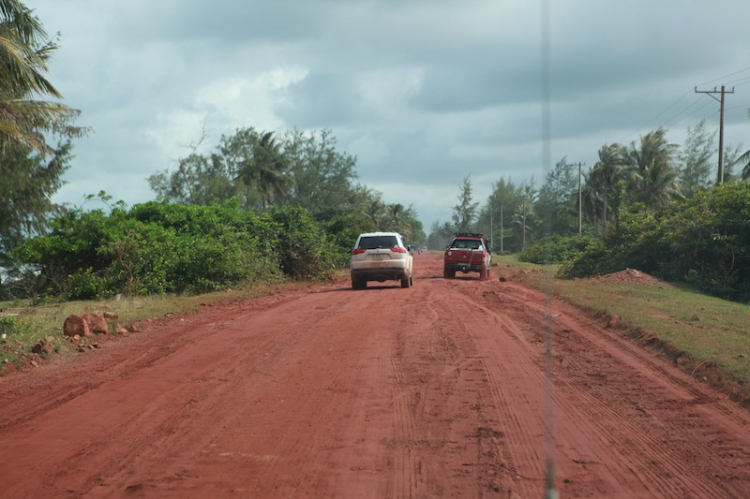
(422, 92)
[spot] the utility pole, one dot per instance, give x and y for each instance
(501, 229)
(492, 229)
(580, 198)
(723, 91)
(523, 223)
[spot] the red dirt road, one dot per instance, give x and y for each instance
(433, 391)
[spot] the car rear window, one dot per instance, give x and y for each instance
(375, 242)
(466, 244)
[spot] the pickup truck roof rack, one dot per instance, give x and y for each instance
(468, 234)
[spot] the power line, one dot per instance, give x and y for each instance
(737, 82)
(685, 110)
(723, 77)
(661, 113)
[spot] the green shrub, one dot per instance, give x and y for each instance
(86, 285)
(703, 241)
(159, 247)
(303, 247)
(558, 249)
(9, 324)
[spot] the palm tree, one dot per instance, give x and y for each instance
(398, 220)
(659, 186)
(24, 52)
(653, 180)
(375, 211)
(745, 158)
(271, 169)
(592, 202)
(604, 176)
(259, 161)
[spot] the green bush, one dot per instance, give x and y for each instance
(9, 325)
(87, 285)
(703, 241)
(303, 247)
(343, 227)
(558, 249)
(159, 247)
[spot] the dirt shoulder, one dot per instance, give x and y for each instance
(432, 391)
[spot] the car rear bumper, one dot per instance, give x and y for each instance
(379, 274)
(464, 267)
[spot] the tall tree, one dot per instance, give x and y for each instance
(696, 160)
(201, 180)
(269, 167)
(25, 50)
(603, 179)
(465, 212)
(733, 157)
(558, 199)
(525, 216)
(322, 176)
(654, 179)
(744, 161)
(30, 169)
(258, 161)
(303, 169)
(496, 216)
(28, 182)
(441, 235)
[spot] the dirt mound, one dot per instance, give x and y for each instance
(628, 276)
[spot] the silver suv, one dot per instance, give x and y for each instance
(380, 256)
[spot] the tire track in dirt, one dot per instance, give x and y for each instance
(631, 431)
(508, 365)
(431, 391)
(438, 403)
(165, 387)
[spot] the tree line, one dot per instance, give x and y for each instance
(651, 205)
(641, 188)
(261, 205)
(262, 169)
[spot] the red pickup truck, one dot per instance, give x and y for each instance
(468, 252)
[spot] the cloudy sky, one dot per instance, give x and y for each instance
(422, 92)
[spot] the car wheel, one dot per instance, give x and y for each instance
(359, 284)
(405, 282)
(484, 274)
(449, 274)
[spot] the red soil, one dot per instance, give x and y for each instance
(433, 391)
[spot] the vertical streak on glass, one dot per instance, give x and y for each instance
(549, 401)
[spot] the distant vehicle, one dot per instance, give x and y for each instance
(423, 248)
(381, 256)
(468, 252)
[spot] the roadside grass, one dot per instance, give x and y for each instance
(24, 324)
(706, 336)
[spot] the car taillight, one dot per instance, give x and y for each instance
(358, 251)
(398, 249)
